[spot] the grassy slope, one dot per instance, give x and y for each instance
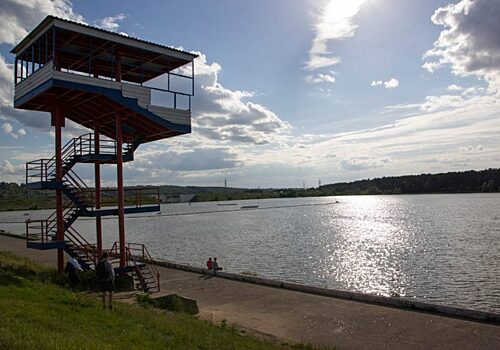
(37, 313)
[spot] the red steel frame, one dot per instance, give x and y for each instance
(96, 111)
(58, 123)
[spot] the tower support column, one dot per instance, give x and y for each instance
(97, 171)
(58, 123)
(119, 178)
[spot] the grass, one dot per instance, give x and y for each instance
(26, 204)
(39, 312)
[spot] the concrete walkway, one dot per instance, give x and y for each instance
(299, 317)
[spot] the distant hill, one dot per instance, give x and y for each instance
(168, 189)
(18, 197)
(453, 182)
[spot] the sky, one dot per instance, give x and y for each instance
(293, 92)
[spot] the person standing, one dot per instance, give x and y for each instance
(106, 279)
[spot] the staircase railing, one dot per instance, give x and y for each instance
(38, 230)
(137, 252)
(140, 252)
(133, 197)
(44, 230)
(84, 193)
(68, 210)
(83, 246)
(135, 267)
(45, 169)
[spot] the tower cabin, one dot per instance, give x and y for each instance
(127, 91)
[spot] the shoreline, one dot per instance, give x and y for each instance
(393, 302)
(230, 199)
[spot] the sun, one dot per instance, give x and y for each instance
(337, 18)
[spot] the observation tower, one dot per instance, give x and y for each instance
(127, 92)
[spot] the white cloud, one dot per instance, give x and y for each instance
(454, 87)
(8, 169)
(363, 163)
(389, 84)
(195, 159)
(111, 23)
(470, 40)
(335, 22)
(471, 149)
(6, 82)
(27, 118)
(473, 91)
(320, 78)
(434, 103)
(409, 144)
(226, 115)
(226, 123)
(7, 128)
(20, 17)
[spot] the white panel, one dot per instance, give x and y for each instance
(176, 116)
(82, 79)
(34, 80)
(142, 94)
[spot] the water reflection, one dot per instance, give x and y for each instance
(442, 248)
(368, 247)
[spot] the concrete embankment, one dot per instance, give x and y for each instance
(347, 295)
(296, 315)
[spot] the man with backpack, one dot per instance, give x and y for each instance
(106, 280)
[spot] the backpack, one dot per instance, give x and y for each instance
(102, 272)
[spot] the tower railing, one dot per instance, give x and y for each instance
(42, 170)
(138, 253)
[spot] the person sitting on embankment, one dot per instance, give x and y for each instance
(215, 266)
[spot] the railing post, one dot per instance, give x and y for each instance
(97, 176)
(119, 176)
(192, 83)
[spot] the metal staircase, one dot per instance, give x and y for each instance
(80, 201)
(81, 149)
(144, 272)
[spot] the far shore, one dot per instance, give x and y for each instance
(43, 204)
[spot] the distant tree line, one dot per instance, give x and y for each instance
(454, 182)
(18, 197)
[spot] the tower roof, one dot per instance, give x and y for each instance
(141, 60)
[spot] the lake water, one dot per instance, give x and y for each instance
(436, 248)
